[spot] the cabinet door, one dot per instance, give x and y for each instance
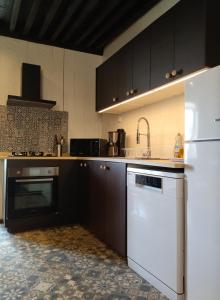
(115, 222)
(123, 72)
(162, 49)
(190, 30)
(67, 191)
(106, 89)
(97, 199)
(141, 63)
(83, 191)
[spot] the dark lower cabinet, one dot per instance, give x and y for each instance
(83, 193)
(67, 191)
(107, 203)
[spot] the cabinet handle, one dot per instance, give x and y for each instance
(217, 120)
(127, 93)
(104, 168)
(85, 165)
(175, 72)
(114, 99)
(81, 164)
(132, 92)
(101, 166)
(168, 75)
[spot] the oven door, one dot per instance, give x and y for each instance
(28, 196)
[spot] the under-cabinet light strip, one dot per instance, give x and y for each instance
(154, 90)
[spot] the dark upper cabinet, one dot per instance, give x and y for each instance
(183, 40)
(190, 36)
(141, 63)
(125, 74)
(106, 84)
(162, 49)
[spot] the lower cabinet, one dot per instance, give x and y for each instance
(107, 203)
(67, 191)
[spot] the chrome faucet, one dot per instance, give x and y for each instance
(148, 153)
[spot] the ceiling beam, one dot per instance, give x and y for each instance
(31, 16)
(49, 18)
(107, 9)
(66, 18)
(85, 14)
(108, 24)
(14, 14)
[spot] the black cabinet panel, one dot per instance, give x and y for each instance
(123, 72)
(190, 35)
(97, 201)
(162, 49)
(107, 203)
(116, 207)
(141, 63)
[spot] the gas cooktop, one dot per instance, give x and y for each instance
(30, 153)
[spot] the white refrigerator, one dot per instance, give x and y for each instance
(202, 157)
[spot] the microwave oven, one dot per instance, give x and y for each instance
(88, 147)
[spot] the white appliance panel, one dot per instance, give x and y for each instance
(203, 220)
(202, 106)
(155, 230)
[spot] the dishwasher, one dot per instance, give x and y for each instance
(155, 228)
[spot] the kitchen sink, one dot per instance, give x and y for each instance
(145, 158)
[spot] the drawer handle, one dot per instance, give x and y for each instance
(217, 120)
(114, 99)
(175, 72)
(168, 75)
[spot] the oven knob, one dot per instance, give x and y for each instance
(18, 172)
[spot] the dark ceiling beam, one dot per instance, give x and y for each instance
(108, 8)
(66, 18)
(106, 26)
(106, 35)
(14, 14)
(87, 10)
(31, 16)
(49, 17)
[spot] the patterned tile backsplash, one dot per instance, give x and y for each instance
(31, 129)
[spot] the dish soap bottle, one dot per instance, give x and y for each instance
(178, 148)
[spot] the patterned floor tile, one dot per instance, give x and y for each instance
(66, 263)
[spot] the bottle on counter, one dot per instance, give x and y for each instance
(178, 147)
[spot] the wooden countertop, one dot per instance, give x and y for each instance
(165, 163)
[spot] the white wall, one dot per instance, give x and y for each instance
(79, 80)
(166, 119)
(138, 26)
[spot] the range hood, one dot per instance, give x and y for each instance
(30, 89)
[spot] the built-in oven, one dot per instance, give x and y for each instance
(31, 191)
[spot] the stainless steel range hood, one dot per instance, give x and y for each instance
(30, 89)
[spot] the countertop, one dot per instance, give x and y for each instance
(165, 163)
